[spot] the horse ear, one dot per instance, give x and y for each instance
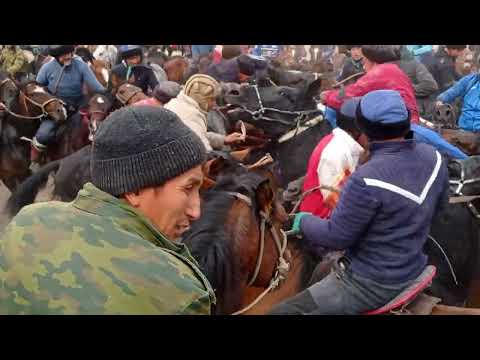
(264, 196)
(314, 88)
(212, 168)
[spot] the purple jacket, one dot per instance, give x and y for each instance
(384, 212)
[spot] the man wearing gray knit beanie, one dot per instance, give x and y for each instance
(112, 250)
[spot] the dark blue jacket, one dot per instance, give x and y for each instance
(384, 212)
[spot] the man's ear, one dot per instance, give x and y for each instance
(133, 198)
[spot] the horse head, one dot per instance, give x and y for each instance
(445, 116)
(100, 69)
(274, 109)
(176, 68)
(37, 101)
(8, 90)
(240, 210)
(99, 106)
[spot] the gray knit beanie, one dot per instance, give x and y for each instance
(140, 147)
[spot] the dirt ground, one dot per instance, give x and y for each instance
(43, 195)
(4, 194)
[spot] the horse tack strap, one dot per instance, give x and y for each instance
(242, 197)
(462, 199)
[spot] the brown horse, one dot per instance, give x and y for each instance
(79, 130)
(22, 119)
(176, 68)
(240, 210)
(101, 71)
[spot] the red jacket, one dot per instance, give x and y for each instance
(381, 77)
(333, 160)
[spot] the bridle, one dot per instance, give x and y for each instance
(280, 240)
(26, 98)
(259, 114)
(92, 124)
(459, 197)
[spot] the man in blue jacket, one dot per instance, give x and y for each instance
(64, 77)
(382, 218)
(468, 88)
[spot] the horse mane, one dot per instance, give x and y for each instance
(210, 245)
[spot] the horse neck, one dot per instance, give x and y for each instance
(74, 136)
(297, 280)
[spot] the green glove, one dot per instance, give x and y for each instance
(296, 222)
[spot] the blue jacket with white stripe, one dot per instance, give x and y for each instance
(384, 212)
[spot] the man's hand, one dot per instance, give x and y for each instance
(233, 138)
(438, 103)
(295, 230)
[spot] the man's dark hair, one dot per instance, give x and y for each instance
(380, 53)
(456, 47)
(348, 124)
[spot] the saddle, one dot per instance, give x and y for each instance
(412, 301)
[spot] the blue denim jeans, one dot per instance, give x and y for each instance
(340, 293)
(46, 132)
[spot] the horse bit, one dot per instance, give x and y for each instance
(283, 266)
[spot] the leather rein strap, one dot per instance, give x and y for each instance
(282, 267)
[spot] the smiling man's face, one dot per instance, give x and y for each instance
(172, 206)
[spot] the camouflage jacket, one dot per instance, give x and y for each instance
(96, 255)
(12, 61)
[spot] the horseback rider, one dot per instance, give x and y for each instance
(138, 74)
(379, 75)
(382, 219)
(468, 90)
(13, 60)
(442, 66)
(424, 84)
(64, 76)
(332, 161)
(192, 105)
(115, 248)
(353, 64)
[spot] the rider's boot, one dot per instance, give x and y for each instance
(36, 154)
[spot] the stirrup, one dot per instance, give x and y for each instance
(38, 146)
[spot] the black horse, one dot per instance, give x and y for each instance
(453, 245)
(290, 118)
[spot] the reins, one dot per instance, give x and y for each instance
(282, 267)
